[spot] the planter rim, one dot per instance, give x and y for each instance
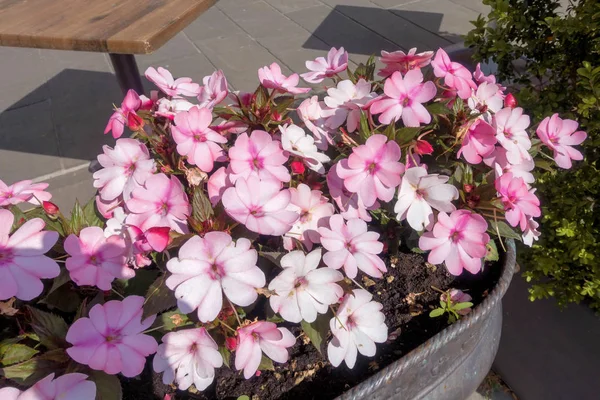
(421, 353)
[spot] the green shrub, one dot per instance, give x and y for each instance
(558, 71)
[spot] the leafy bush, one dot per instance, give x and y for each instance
(558, 70)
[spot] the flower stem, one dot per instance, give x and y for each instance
(227, 326)
(117, 293)
(235, 312)
(154, 329)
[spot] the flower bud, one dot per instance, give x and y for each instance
(50, 208)
(298, 167)
(134, 121)
(423, 147)
(510, 101)
(231, 343)
(467, 188)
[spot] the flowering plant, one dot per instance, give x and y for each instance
(222, 223)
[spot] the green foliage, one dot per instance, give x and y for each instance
(317, 331)
(558, 70)
(451, 308)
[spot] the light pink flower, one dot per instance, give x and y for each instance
(302, 290)
(336, 62)
(23, 191)
(260, 205)
(358, 325)
(403, 99)
(486, 99)
(66, 387)
(206, 267)
(162, 202)
(455, 75)
(295, 141)
(351, 246)
(479, 142)
(272, 78)
(372, 170)
(480, 77)
(214, 90)
(111, 339)
(419, 193)
(312, 207)
(346, 101)
(519, 201)
(188, 357)
(125, 167)
(403, 62)
(95, 260)
(22, 259)
(458, 296)
(172, 87)
(459, 240)
(497, 159)
(106, 208)
(560, 135)
(131, 103)
(312, 112)
(531, 233)
(218, 182)
(168, 108)
(259, 337)
(196, 140)
(349, 203)
(510, 124)
(260, 156)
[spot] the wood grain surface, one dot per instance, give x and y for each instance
(110, 26)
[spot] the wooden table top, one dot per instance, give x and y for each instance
(109, 26)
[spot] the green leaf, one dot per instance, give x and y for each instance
(108, 387)
(201, 207)
(174, 319)
(262, 95)
(60, 280)
(406, 134)
(491, 251)
(158, 298)
(283, 103)
(365, 131)
(266, 364)
(19, 215)
(436, 313)
(546, 165)
(226, 354)
(50, 328)
(77, 219)
(16, 353)
(36, 368)
(276, 319)
(438, 108)
(390, 132)
(140, 283)
(243, 397)
(64, 299)
(317, 331)
(462, 306)
(505, 230)
(90, 214)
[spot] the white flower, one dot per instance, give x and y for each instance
(487, 99)
(358, 325)
(188, 356)
(531, 233)
(295, 141)
(346, 100)
(302, 289)
(418, 193)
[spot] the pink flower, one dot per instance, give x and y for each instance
(479, 142)
(458, 296)
(303, 290)
(111, 339)
(352, 247)
(311, 112)
(188, 357)
(106, 208)
(403, 99)
(260, 205)
(358, 325)
(336, 62)
(519, 201)
(162, 202)
(349, 203)
(480, 77)
(172, 87)
(530, 233)
(218, 182)
(272, 78)
(487, 98)
(372, 170)
(214, 90)
(22, 260)
(510, 124)
(259, 337)
(459, 240)
(560, 135)
(131, 103)
(295, 141)
(95, 260)
(23, 191)
(419, 193)
(346, 101)
(259, 156)
(196, 140)
(455, 75)
(498, 160)
(312, 207)
(403, 62)
(206, 266)
(66, 387)
(126, 167)
(168, 108)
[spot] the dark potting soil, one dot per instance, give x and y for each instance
(407, 297)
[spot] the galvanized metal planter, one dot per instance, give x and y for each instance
(450, 365)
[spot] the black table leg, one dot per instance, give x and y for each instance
(127, 72)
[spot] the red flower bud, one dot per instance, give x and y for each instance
(258, 373)
(510, 101)
(231, 343)
(276, 116)
(298, 167)
(50, 208)
(467, 188)
(134, 121)
(423, 147)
